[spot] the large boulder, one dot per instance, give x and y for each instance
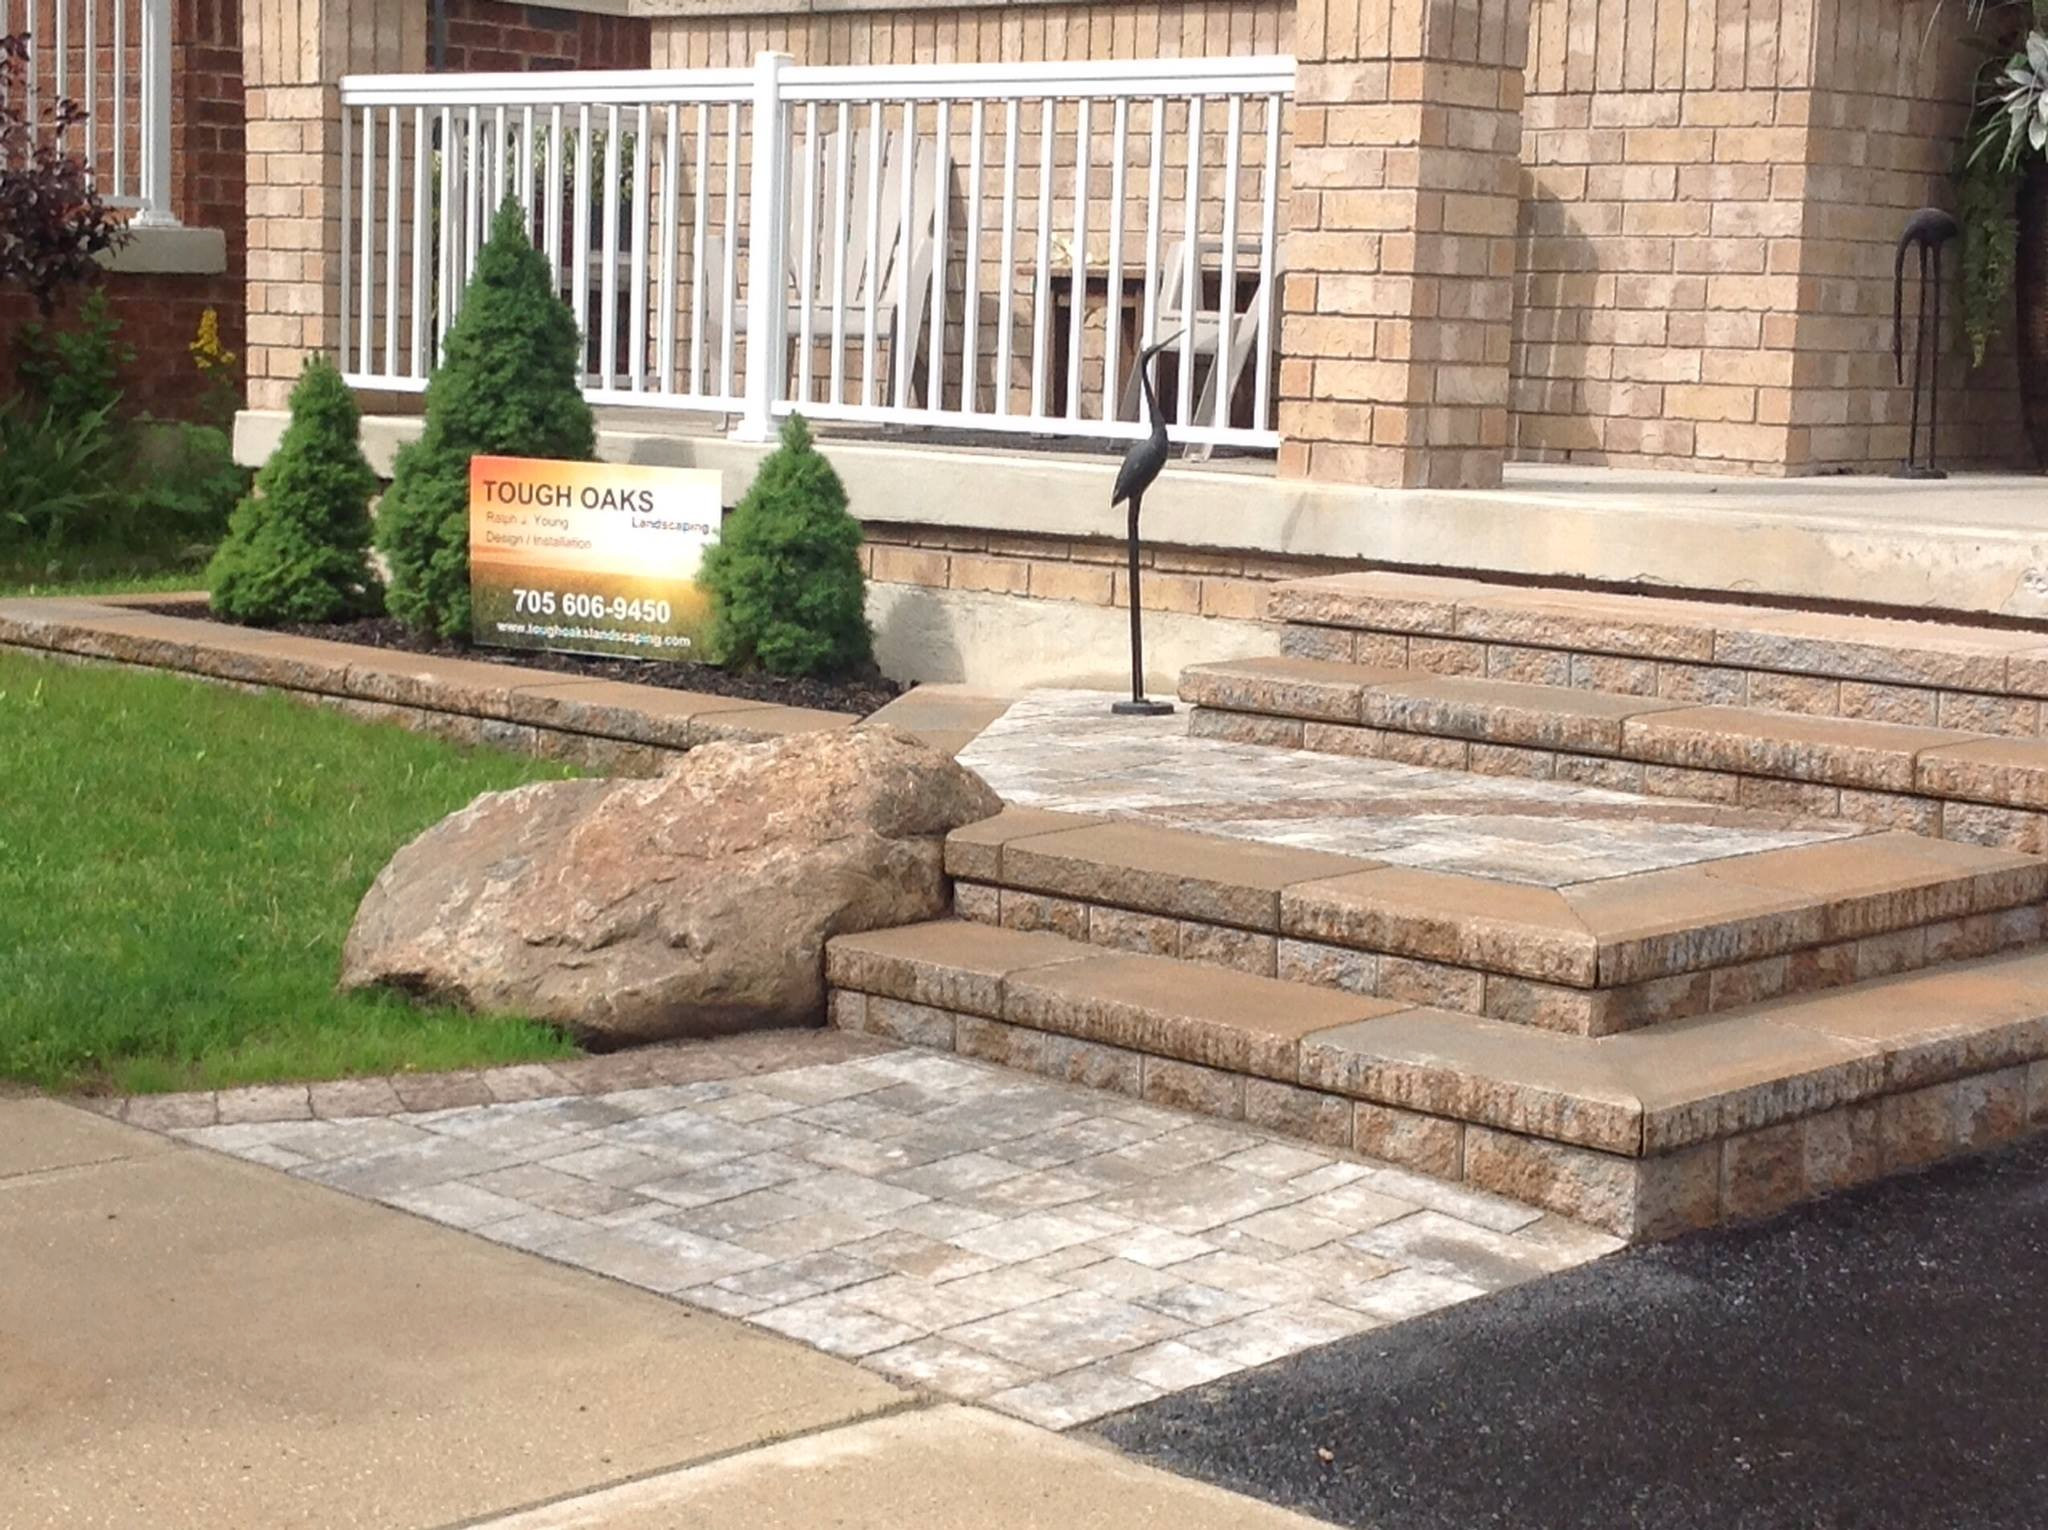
(692, 904)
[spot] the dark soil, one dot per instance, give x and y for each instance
(862, 695)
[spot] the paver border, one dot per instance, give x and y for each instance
(607, 724)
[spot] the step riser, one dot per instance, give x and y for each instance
(1926, 674)
(1999, 826)
(1674, 680)
(1741, 1175)
(1501, 996)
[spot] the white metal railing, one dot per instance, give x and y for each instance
(112, 58)
(965, 248)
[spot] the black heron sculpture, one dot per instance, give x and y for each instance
(1926, 231)
(1141, 464)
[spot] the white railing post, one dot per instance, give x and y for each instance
(767, 205)
(155, 211)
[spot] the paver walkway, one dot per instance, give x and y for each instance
(1063, 750)
(191, 1341)
(1053, 1251)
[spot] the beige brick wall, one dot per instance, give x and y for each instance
(1400, 242)
(1710, 195)
(293, 53)
(1085, 571)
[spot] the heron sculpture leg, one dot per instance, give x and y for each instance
(1141, 464)
(1139, 705)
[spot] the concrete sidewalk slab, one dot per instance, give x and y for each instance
(190, 1340)
(38, 1136)
(940, 1469)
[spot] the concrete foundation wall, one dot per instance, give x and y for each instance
(1007, 642)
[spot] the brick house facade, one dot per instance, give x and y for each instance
(1645, 233)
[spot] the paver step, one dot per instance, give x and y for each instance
(1927, 674)
(1677, 1125)
(1979, 787)
(1589, 957)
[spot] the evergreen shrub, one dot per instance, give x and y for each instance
(507, 386)
(297, 549)
(784, 577)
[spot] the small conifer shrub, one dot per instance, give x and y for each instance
(297, 549)
(507, 386)
(787, 591)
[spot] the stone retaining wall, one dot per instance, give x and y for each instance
(603, 725)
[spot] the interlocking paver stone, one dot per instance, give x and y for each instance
(1053, 1252)
(1062, 750)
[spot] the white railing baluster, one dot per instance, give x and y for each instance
(935, 361)
(1190, 265)
(671, 178)
(636, 366)
(900, 256)
(526, 202)
(120, 117)
(730, 325)
(1006, 320)
(551, 222)
(608, 257)
(1269, 242)
(1153, 191)
(501, 166)
(1041, 282)
(445, 286)
(156, 113)
(579, 234)
(902, 358)
(472, 192)
(806, 288)
(842, 237)
(1226, 290)
(366, 292)
(92, 79)
(871, 272)
(970, 305)
(347, 167)
(422, 167)
(699, 298)
(1077, 297)
(396, 132)
(1113, 308)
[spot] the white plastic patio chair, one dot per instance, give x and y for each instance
(881, 281)
(1203, 328)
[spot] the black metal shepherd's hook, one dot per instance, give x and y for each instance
(1142, 463)
(1926, 231)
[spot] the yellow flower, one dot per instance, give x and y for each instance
(207, 352)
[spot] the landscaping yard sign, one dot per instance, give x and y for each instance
(589, 557)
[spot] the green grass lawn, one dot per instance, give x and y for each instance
(113, 574)
(178, 866)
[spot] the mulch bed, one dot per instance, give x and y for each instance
(862, 696)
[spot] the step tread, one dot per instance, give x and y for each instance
(1648, 1091)
(1587, 935)
(1827, 750)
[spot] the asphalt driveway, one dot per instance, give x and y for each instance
(1878, 1360)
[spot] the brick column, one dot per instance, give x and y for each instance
(294, 54)
(1400, 247)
